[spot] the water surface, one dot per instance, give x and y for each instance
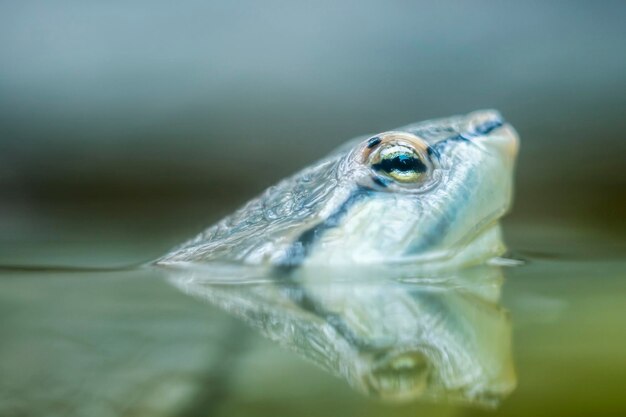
(131, 343)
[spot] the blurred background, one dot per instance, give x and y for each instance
(126, 127)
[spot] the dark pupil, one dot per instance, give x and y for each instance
(401, 163)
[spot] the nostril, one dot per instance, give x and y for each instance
(483, 122)
(487, 127)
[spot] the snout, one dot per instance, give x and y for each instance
(494, 133)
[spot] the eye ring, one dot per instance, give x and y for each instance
(397, 157)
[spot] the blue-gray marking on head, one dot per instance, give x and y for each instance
(488, 126)
(300, 248)
(373, 142)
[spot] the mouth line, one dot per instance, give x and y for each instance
(426, 248)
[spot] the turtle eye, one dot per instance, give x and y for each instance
(400, 163)
(399, 157)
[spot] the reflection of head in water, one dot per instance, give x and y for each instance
(390, 334)
(382, 211)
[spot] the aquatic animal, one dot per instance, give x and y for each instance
(429, 192)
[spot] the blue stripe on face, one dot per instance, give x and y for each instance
(481, 130)
(301, 247)
(379, 181)
(433, 235)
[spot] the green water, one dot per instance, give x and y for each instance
(129, 343)
(127, 127)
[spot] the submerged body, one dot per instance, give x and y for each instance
(423, 192)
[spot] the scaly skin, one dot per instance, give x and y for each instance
(345, 209)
